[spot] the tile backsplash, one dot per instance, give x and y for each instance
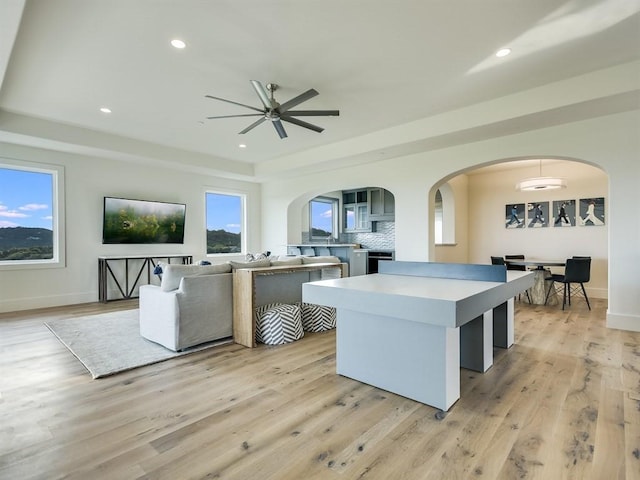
(384, 238)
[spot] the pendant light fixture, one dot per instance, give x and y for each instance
(540, 182)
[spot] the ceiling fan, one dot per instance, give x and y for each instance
(278, 113)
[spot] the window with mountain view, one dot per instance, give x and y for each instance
(225, 219)
(323, 214)
(30, 218)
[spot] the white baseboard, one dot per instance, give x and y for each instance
(30, 303)
(623, 322)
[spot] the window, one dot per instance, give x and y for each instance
(438, 217)
(444, 216)
(31, 215)
(323, 218)
(225, 223)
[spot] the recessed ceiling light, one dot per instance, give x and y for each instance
(178, 43)
(242, 145)
(105, 110)
(503, 52)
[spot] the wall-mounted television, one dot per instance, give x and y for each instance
(142, 221)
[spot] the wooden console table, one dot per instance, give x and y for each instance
(122, 281)
(253, 287)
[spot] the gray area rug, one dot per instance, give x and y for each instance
(109, 343)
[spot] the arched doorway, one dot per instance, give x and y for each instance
(479, 200)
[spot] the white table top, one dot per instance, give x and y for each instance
(439, 301)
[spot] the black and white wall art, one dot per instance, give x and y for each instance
(514, 215)
(564, 213)
(591, 212)
(537, 215)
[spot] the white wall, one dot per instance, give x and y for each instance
(87, 181)
(490, 193)
(609, 141)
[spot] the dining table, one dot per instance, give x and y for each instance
(542, 279)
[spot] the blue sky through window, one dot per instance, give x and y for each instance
(224, 212)
(26, 199)
(321, 215)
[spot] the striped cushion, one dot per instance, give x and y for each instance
(318, 318)
(278, 323)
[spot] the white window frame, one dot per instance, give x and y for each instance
(58, 211)
(243, 222)
(334, 217)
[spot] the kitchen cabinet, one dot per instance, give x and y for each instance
(356, 211)
(381, 205)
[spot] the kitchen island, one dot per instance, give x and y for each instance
(349, 253)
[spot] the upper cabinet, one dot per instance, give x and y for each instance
(381, 205)
(364, 206)
(356, 210)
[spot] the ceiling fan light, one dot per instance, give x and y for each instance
(541, 183)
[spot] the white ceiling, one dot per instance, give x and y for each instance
(381, 63)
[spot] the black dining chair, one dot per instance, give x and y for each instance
(577, 272)
(497, 261)
(520, 268)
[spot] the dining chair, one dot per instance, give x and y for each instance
(520, 268)
(577, 272)
(497, 261)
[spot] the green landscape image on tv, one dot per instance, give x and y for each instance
(142, 221)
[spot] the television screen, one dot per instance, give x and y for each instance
(142, 221)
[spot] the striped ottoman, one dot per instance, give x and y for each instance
(278, 323)
(318, 318)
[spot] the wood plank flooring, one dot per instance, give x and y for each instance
(562, 403)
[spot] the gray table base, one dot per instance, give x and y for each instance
(418, 360)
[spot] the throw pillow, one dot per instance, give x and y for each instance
(250, 257)
(172, 274)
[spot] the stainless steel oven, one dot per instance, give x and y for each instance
(376, 256)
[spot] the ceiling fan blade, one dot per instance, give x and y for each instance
(314, 113)
(301, 123)
(234, 116)
(253, 125)
(279, 128)
(262, 93)
(235, 103)
(303, 97)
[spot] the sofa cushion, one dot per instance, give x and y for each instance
(321, 259)
(265, 262)
(172, 274)
(284, 260)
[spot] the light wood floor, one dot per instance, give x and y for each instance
(563, 402)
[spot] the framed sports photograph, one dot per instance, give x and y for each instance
(591, 212)
(538, 215)
(564, 213)
(514, 215)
